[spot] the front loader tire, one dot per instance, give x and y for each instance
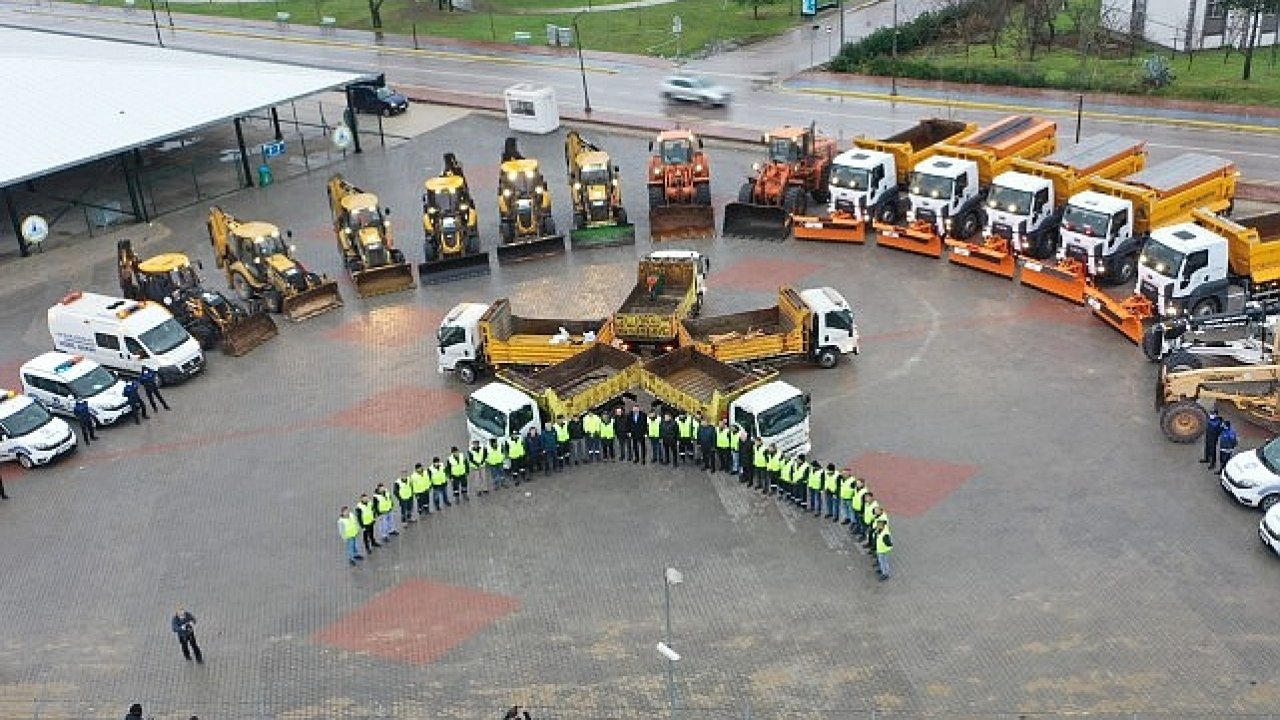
(657, 197)
(702, 194)
(746, 193)
(1184, 421)
(794, 200)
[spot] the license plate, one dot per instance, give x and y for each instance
(962, 252)
(1033, 266)
(813, 225)
(889, 233)
(1094, 303)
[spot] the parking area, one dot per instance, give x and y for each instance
(1054, 553)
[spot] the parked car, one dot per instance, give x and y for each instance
(694, 88)
(376, 97)
(29, 434)
(1269, 529)
(1253, 477)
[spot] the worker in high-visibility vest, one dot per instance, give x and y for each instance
(687, 429)
(609, 433)
(476, 467)
(759, 475)
(439, 485)
(831, 491)
(883, 546)
(724, 446)
(816, 477)
(846, 496)
(495, 459)
(799, 480)
(653, 432)
(349, 530)
(564, 443)
(856, 505)
(736, 437)
(404, 494)
(775, 469)
(591, 428)
(421, 483)
(459, 468)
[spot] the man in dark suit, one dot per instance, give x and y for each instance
(637, 424)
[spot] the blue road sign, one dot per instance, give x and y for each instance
(273, 149)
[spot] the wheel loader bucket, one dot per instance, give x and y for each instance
(309, 303)
(248, 334)
(532, 249)
(603, 236)
(992, 256)
(682, 222)
(1126, 315)
(383, 280)
(453, 268)
(1064, 280)
(840, 227)
(756, 222)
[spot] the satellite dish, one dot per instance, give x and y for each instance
(342, 137)
(35, 229)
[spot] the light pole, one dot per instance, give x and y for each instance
(582, 68)
(155, 22)
(893, 78)
(670, 576)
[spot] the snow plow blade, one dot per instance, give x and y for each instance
(603, 236)
(522, 250)
(839, 227)
(1126, 315)
(309, 303)
(755, 222)
(682, 222)
(992, 257)
(383, 280)
(453, 268)
(918, 238)
(1064, 279)
(249, 333)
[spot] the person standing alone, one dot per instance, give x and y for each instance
(184, 626)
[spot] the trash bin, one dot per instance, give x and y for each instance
(264, 175)
(565, 36)
(553, 35)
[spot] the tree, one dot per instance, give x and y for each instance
(1250, 12)
(997, 12)
(375, 14)
(755, 6)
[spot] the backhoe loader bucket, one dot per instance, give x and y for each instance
(838, 227)
(383, 280)
(453, 268)
(603, 236)
(247, 334)
(533, 249)
(756, 222)
(1064, 279)
(992, 256)
(309, 303)
(682, 222)
(1126, 315)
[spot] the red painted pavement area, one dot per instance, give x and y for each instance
(417, 622)
(910, 486)
(395, 326)
(399, 411)
(762, 274)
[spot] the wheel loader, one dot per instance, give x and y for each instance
(372, 260)
(679, 182)
(526, 228)
(261, 268)
(449, 221)
(599, 219)
(212, 319)
(797, 168)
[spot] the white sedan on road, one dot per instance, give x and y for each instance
(694, 88)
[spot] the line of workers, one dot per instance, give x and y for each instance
(630, 434)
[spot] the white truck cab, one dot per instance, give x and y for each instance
(778, 413)
(459, 343)
(125, 335)
(1183, 268)
(498, 410)
(944, 192)
(835, 328)
(29, 434)
(58, 380)
(864, 183)
(1097, 231)
(1253, 477)
(1020, 209)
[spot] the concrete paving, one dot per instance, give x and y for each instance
(1054, 553)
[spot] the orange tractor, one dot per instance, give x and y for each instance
(679, 183)
(797, 168)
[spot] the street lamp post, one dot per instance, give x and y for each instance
(582, 68)
(155, 22)
(670, 576)
(893, 78)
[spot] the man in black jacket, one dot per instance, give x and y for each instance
(183, 624)
(637, 422)
(670, 437)
(578, 440)
(707, 444)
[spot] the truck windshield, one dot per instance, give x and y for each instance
(782, 417)
(1269, 456)
(783, 151)
(491, 421)
(676, 152)
(450, 335)
(164, 337)
(931, 186)
(363, 218)
(269, 245)
(92, 383)
(840, 320)
(1014, 202)
(1161, 258)
(595, 176)
(26, 421)
(1084, 220)
(385, 93)
(850, 177)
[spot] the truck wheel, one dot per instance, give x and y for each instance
(828, 358)
(1153, 342)
(657, 197)
(1182, 360)
(1268, 502)
(887, 212)
(1045, 245)
(1123, 270)
(25, 461)
(467, 373)
(1184, 421)
(1206, 306)
(968, 226)
(794, 201)
(702, 194)
(746, 192)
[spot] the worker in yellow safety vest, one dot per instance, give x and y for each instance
(816, 477)
(421, 482)
(687, 428)
(495, 459)
(846, 496)
(609, 433)
(367, 518)
(517, 455)
(349, 530)
(775, 468)
(758, 477)
(883, 546)
(653, 431)
(856, 505)
(724, 446)
(383, 505)
(476, 467)
(799, 480)
(591, 428)
(439, 485)
(831, 490)
(404, 494)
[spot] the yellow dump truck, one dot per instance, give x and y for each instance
(1104, 228)
(814, 325)
(669, 288)
(946, 191)
(475, 338)
(1024, 205)
(592, 378)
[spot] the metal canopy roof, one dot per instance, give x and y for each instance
(74, 99)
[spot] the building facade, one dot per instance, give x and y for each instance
(1186, 24)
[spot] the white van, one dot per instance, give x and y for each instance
(125, 335)
(58, 380)
(29, 434)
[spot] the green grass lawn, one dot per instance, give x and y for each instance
(644, 31)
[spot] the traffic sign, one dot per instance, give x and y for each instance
(677, 26)
(273, 149)
(808, 8)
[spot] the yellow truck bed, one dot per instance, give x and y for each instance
(1105, 156)
(693, 382)
(917, 143)
(513, 340)
(1168, 192)
(656, 318)
(752, 335)
(589, 379)
(994, 148)
(1253, 243)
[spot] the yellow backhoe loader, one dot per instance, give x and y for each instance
(376, 266)
(599, 220)
(525, 226)
(451, 225)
